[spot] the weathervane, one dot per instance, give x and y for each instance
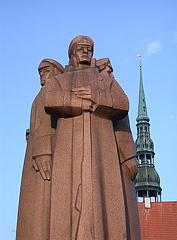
(139, 55)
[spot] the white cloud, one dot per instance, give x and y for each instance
(153, 47)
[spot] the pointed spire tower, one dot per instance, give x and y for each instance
(147, 182)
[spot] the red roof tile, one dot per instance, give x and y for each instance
(159, 222)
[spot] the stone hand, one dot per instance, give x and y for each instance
(83, 92)
(43, 163)
(130, 167)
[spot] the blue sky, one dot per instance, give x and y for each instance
(33, 30)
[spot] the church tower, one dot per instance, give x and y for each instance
(147, 182)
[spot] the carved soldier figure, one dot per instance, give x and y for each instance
(79, 167)
(34, 204)
(91, 158)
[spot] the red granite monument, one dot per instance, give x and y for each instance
(85, 185)
(34, 204)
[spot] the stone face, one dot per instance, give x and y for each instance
(90, 169)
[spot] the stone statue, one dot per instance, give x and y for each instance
(94, 165)
(80, 160)
(33, 213)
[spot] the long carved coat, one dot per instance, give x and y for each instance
(87, 191)
(34, 204)
(126, 150)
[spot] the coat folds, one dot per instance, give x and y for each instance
(89, 196)
(87, 199)
(34, 204)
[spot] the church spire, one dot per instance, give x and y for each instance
(147, 182)
(142, 109)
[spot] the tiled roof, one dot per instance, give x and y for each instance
(159, 222)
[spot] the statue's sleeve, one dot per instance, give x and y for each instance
(113, 103)
(43, 145)
(42, 128)
(124, 139)
(61, 102)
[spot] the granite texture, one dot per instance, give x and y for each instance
(81, 185)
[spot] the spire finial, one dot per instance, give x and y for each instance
(140, 55)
